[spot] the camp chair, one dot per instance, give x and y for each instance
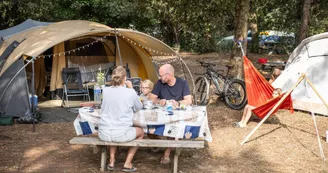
(73, 86)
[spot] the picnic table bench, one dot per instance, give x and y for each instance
(177, 144)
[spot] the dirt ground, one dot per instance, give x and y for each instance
(287, 143)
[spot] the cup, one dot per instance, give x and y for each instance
(169, 105)
(148, 104)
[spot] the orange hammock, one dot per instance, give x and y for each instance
(259, 92)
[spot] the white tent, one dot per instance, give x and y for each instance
(310, 57)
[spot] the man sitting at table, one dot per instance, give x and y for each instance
(169, 87)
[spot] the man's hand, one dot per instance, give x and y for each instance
(128, 84)
(162, 102)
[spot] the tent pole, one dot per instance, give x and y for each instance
(274, 108)
(192, 78)
(32, 102)
(12, 79)
(313, 117)
(118, 47)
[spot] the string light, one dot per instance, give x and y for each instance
(122, 36)
(142, 46)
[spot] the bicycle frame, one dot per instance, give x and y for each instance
(216, 77)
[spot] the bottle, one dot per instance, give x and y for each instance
(97, 95)
(128, 73)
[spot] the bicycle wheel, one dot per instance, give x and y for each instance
(235, 94)
(202, 91)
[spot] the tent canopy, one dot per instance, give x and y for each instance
(37, 40)
(309, 57)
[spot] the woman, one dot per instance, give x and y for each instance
(119, 104)
(146, 88)
(248, 110)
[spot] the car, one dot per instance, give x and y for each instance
(267, 40)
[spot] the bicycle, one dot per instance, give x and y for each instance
(232, 90)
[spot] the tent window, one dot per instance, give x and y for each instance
(97, 49)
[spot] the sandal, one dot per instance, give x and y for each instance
(132, 169)
(165, 160)
(238, 125)
(110, 168)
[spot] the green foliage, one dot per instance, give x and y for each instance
(191, 25)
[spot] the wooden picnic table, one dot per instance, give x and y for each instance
(179, 124)
(269, 66)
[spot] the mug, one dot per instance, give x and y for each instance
(169, 105)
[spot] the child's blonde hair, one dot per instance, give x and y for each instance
(149, 83)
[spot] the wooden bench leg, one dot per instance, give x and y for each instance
(176, 157)
(103, 158)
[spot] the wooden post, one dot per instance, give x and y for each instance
(103, 158)
(275, 107)
(176, 157)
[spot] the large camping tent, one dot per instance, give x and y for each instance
(310, 57)
(66, 39)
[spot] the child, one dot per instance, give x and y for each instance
(248, 110)
(275, 74)
(146, 87)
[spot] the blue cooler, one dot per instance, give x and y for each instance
(35, 99)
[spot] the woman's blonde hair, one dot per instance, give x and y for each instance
(118, 76)
(149, 83)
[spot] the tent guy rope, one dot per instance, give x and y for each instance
(308, 82)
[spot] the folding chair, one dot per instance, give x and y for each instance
(73, 86)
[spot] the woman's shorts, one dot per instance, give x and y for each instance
(117, 135)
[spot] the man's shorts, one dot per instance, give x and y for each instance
(117, 135)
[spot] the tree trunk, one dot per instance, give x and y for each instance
(255, 33)
(176, 45)
(304, 21)
(241, 20)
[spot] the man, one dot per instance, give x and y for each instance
(169, 87)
